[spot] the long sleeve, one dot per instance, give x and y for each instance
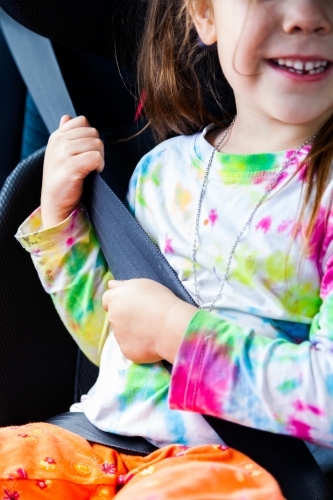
(72, 269)
(270, 384)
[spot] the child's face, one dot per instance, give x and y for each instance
(276, 54)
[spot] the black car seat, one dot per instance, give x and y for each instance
(25, 385)
(12, 99)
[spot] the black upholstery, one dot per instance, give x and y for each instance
(38, 356)
(110, 29)
(78, 423)
(93, 25)
(12, 99)
(38, 374)
(86, 375)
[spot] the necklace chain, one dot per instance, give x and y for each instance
(271, 185)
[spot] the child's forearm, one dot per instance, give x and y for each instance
(265, 383)
(73, 271)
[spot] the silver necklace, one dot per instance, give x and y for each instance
(271, 185)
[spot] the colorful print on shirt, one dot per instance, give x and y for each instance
(263, 358)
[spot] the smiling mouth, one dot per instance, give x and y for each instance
(301, 67)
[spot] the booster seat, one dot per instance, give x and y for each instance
(18, 198)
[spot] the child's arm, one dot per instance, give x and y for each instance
(61, 240)
(268, 384)
(229, 372)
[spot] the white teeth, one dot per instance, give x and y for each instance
(298, 66)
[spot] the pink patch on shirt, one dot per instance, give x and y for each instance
(264, 224)
(296, 163)
(282, 178)
(317, 246)
(315, 410)
(300, 406)
(74, 218)
(299, 429)
(168, 246)
(213, 217)
(302, 174)
(70, 242)
(258, 179)
(307, 148)
(284, 226)
(327, 280)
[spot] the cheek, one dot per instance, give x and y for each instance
(242, 44)
(238, 68)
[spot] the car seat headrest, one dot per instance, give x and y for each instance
(97, 26)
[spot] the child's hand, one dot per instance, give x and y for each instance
(147, 319)
(73, 151)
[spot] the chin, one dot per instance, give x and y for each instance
(301, 114)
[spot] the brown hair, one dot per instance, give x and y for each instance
(182, 78)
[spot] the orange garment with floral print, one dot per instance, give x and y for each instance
(41, 461)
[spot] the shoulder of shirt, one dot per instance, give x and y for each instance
(166, 156)
(167, 151)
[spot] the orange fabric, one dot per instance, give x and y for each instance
(41, 461)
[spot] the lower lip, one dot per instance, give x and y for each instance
(301, 78)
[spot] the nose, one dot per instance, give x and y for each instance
(307, 16)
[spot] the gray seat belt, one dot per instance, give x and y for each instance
(39, 68)
(46, 85)
(131, 254)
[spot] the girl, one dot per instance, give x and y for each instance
(249, 234)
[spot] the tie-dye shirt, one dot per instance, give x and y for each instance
(264, 357)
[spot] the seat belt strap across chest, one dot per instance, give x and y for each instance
(131, 254)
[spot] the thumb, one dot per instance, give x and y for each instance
(115, 283)
(64, 119)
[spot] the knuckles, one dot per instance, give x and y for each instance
(53, 137)
(94, 132)
(79, 121)
(97, 144)
(95, 158)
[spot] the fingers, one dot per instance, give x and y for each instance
(79, 133)
(83, 145)
(115, 283)
(61, 137)
(89, 161)
(68, 123)
(64, 119)
(105, 301)
(74, 128)
(78, 142)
